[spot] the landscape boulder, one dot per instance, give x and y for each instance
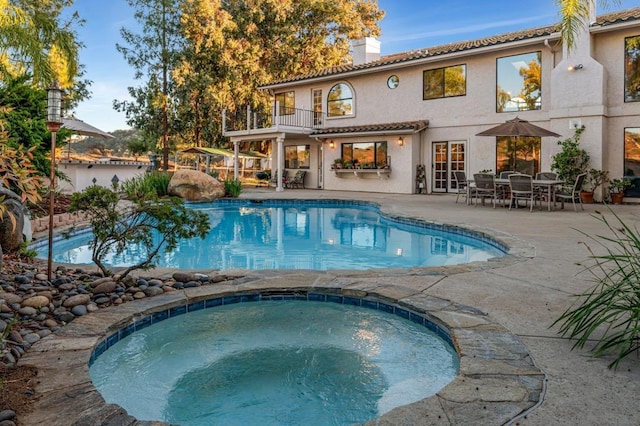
(195, 186)
(11, 238)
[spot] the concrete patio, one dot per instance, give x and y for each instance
(528, 296)
(525, 294)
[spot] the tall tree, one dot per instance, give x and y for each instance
(234, 46)
(36, 40)
(574, 16)
(152, 53)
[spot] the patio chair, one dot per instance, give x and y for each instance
(274, 177)
(505, 174)
(297, 181)
(485, 187)
(462, 186)
(546, 176)
(521, 189)
(572, 194)
(542, 192)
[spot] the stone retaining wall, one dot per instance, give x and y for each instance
(41, 224)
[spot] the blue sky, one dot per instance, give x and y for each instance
(408, 24)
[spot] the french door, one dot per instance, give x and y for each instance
(447, 157)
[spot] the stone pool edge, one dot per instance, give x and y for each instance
(497, 382)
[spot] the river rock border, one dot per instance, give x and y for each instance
(497, 382)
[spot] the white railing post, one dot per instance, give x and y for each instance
(224, 121)
(276, 115)
(280, 142)
(236, 155)
(248, 117)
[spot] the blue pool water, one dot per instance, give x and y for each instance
(274, 363)
(316, 236)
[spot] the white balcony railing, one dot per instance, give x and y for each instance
(278, 119)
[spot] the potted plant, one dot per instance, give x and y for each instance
(616, 189)
(596, 178)
(338, 163)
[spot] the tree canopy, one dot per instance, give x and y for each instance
(225, 49)
(36, 40)
(574, 16)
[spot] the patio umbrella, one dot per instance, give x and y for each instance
(517, 127)
(79, 127)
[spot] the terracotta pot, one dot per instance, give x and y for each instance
(586, 197)
(616, 197)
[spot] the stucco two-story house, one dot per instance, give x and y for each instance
(401, 114)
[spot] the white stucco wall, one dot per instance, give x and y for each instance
(82, 173)
(592, 96)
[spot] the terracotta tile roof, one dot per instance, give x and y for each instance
(603, 20)
(618, 17)
(413, 126)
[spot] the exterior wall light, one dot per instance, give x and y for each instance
(400, 141)
(575, 67)
(332, 144)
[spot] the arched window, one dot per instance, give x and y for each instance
(340, 100)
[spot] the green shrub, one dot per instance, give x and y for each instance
(232, 188)
(572, 160)
(155, 182)
(115, 228)
(610, 309)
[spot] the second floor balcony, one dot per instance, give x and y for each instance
(247, 122)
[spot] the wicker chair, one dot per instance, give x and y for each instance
(297, 181)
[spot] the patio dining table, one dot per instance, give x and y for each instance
(550, 186)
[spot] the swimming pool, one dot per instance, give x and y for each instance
(275, 362)
(302, 235)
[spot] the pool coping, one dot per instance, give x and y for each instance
(498, 380)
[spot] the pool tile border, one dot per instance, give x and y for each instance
(497, 381)
(157, 317)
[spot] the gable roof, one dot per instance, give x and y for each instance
(602, 21)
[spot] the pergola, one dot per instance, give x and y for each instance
(208, 153)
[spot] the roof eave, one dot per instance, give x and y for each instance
(415, 62)
(616, 26)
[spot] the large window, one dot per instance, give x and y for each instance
(519, 82)
(287, 102)
(366, 154)
(340, 100)
(296, 156)
(632, 160)
(444, 82)
(521, 154)
(632, 69)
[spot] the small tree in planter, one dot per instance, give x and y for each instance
(617, 188)
(597, 178)
(571, 160)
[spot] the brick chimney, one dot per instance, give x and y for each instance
(365, 50)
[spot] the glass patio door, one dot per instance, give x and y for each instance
(447, 157)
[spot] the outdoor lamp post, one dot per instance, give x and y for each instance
(54, 122)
